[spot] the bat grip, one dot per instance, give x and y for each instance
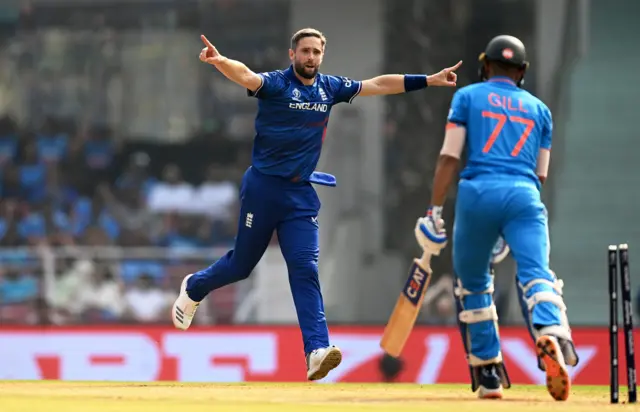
(425, 260)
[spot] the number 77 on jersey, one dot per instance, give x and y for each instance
(502, 119)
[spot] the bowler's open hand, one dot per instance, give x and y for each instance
(445, 77)
(210, 54)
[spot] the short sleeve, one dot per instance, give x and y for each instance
(459, 110)
(344, 89)
(272, 85)
(547, 129)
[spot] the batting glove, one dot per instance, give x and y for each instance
(430, 232)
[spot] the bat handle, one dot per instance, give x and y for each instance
(425, 259)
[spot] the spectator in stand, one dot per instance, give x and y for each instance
(136, 174)
(183, 232)
(8, 142)
(8, 222)
(146, 301)
(31, 226)
(102, 300)
(217, 196)
(128, 211)
(99, 149)
(18, 292)
(131, 269)
(172, 194)
(33, 174)
(52, 142)
(11, 186)
(71, 280)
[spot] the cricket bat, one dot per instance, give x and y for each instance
(407, 307)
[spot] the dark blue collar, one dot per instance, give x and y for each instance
(290, 74)
(502, 79)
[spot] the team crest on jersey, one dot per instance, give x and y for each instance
(295, 95)
(323, 95)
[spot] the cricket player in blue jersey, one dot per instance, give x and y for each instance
(277, 193)
(507, 135)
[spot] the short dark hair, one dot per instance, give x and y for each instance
(308, 32)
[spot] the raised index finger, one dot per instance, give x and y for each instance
(454, 68)
(206, 41)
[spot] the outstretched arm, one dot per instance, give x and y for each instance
(233, 70)
(398, 83)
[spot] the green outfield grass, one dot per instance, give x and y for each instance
(52, 396)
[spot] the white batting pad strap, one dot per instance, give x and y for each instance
(475, 361)
(563, 330)
(460, 291)
(478, 315)
(557, 285)
(546, 297)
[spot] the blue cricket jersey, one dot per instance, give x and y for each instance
(292, 121)
(506, 128)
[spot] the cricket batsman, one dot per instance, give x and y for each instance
(277, 193)
(507, 135)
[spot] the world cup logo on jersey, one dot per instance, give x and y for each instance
(295, 95)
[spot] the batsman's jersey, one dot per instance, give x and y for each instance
(292, 121)
(506, 128)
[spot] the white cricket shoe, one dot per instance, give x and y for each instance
(184, 308)
(321, 361)
(490, 386)
(489, 393)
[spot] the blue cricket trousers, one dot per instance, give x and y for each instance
(271, 203)
(508, 206)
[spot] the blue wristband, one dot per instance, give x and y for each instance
(414, 82)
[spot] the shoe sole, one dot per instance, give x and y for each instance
(491, 395)
(558, 380)
(183, 289)
(331, 360)
(484, 393)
